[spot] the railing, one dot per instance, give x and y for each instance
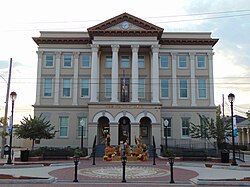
(188, 143)
(154, 147)
(239, 155)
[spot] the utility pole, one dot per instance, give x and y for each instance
(6, 110)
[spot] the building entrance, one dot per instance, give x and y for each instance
(124, 131)
(103, 130)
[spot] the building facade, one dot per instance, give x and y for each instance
(124, 77)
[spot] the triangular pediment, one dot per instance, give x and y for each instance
(125, 25)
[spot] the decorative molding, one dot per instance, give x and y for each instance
(54, 40)
(188, 41)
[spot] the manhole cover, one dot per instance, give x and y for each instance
(131, 172)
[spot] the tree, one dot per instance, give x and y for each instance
(207, 129)
(36, 128)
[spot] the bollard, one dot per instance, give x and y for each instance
(76, 160)
(171, 162)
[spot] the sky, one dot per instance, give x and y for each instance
(228, 20)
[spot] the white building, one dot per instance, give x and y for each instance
(126, 76)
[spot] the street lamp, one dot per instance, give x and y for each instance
(13, 96)
(82, 123)
(231, 98)
(166, 133)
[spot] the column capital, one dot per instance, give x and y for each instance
(173, 54)
(210, 55)
(192, 55)
(58, 55)
(115, 48)
(155, 48)
(39, 53)
(135, 48)
(76, 54)
(94, 47)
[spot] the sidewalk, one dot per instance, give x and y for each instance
(137, 173)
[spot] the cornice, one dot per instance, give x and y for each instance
(65, 40)
(188, 41)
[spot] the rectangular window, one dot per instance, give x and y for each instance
(47, 87)
(125, 62)
(164, 61)
(141, 61)
(183, 88)
(201, 61)
(63, 126)
(49, 61)
(164, 88)
(66, 87)
(167, 129)
(85, 61)
(185, 126)
(202, 92)
(182, 61)
(108, 62)
(67, 61)
(141, 88)
(108, 87)
(82, 127)
(85, 88)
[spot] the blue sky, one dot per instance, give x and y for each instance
(228, 20)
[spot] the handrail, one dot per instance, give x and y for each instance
(154, 148)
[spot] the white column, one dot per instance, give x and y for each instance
(211, 78)
(192, 81)
(114, 133)
(135, 75)
(174, 79)
(114, 78)
(75, 80)
(248, 137)
(155, 74)
(57, 78)
(135, 131)
(39, 77)
(94, 74)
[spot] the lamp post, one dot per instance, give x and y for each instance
(13, 96)
(124, 160)
(166, 133)
(171, 163)
(76, 160)
(231, 98)
(82, 123)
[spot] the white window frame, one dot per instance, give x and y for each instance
(161, 61)
(65, 60)
(141, 88)
(85, 128)
(85, 85)
(49, 61)
(127, 61)
(198, 61)
(83, 60)
(64, 86)
(202, 87)
(184, 127)
(61, 125)
(179, 61)
(141, 61)
(180, 88)
(108, 86)
(162, 97)
(108, 62)
(48, 86)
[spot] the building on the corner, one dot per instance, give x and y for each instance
(124, 76)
